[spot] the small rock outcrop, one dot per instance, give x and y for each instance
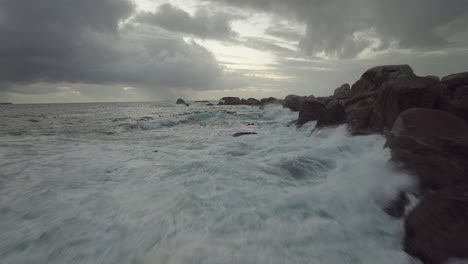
(293, 102)
(181, 101)
(269, 100)
(343, 91)
(230, 101)
(433, 146)
(311, 110)
(240, 134)
(436, 230)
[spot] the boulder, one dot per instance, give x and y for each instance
(343, 91)
(436, 230)
(432, 145)
(230, 101)
(332, 116)
(400, 94)
(181, 101)
(433, 77)
(253, 101)
(293, 102)
(373, 78)
(455, 80)
(311, 110)
(358, 111)
(269, 100)
(244, 134)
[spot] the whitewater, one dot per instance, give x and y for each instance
(146, 183)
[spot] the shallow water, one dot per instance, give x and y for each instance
(160, 183)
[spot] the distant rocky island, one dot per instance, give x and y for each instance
(425, 121)
(5, 103)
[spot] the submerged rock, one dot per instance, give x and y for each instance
(244, 134)
(311, 110)
(436, 230)
(432, 145)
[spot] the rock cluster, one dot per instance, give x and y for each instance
(425, 120)
(250, 101)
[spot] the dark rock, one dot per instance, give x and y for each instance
(373, 78)
(332, 116)
(396, 208)
(293, 102)
(253, 101)
(458, 102)
(343, 91)
(436, 230)
(269, 100)
(432, 145)
(455, 80)
(181, 101)
(34, 121)
(230, 101)
(210, 104)
(401, 94)
(311, 110)
(244, 134)
(358, 111)
(433, 77)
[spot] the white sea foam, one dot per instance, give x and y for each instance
(180, 189)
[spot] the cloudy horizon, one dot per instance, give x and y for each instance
(145, 50)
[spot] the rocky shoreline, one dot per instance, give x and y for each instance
(425, 121)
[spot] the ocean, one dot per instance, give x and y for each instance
(169, 184)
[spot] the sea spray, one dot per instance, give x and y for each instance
(191, 193)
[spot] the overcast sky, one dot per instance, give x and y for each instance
(141, 50)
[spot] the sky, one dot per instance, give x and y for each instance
(56, 51)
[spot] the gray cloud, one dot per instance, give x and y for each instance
(333, 26)
(68, 41)
(203, 24)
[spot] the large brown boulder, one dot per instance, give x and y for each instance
(358, 111)
(342, 91)
(432, 145)
(293, 102)
(437, 230)
(311, 110)
(373, 78)
(455, 80)
(332, 116)
(401, 94)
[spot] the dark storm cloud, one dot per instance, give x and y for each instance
(203, 23)
(333, 26)
(69, 41)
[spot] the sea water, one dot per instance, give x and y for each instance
(164, 183)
